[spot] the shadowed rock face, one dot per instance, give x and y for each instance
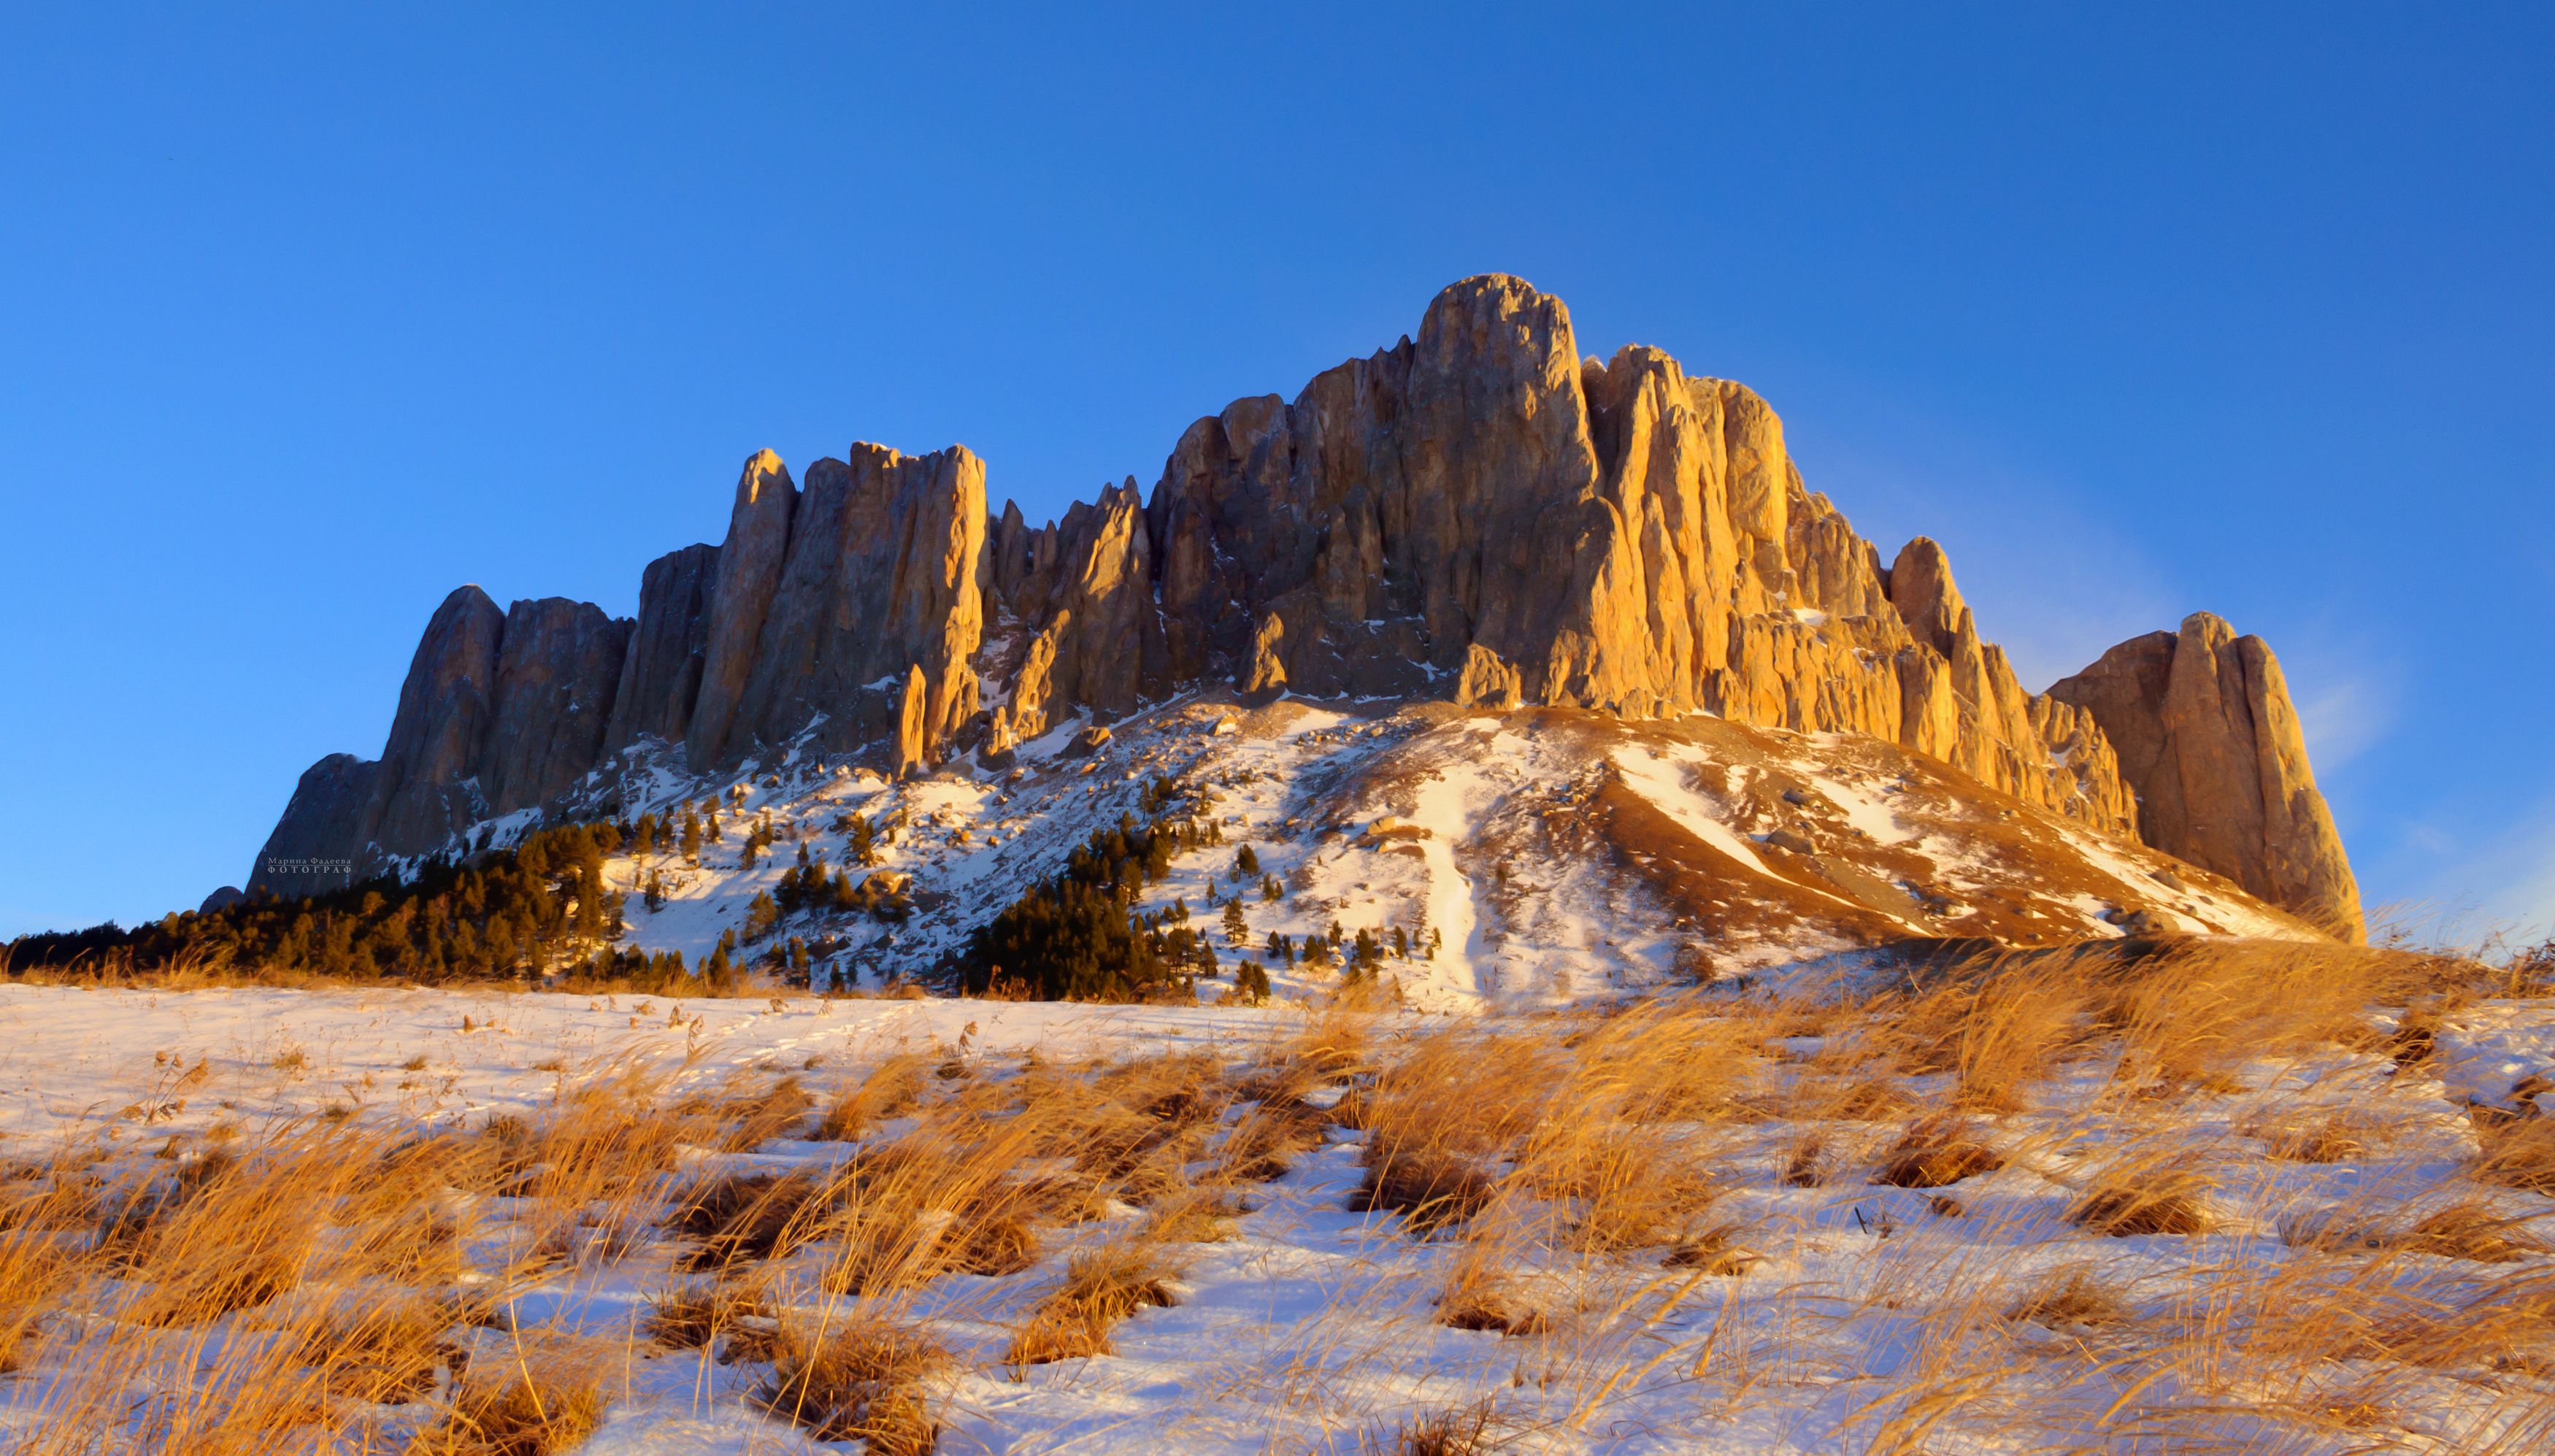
(423, 790)
(499, 711)
(557, 665)
(2202, 724)
(660, 671)
(1476, 514)
(324, 828)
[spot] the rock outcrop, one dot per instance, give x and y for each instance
(325, 828)
(425, 789)
(558, 664)
(879, 580)
(499, 711)
(1476, 514)
(661, 674)
(749, 574)
(2202, 725)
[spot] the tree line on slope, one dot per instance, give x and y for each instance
(540, 906)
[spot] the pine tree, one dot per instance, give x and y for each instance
(1269, 890)
(1247, 863)
(691, 841)
(656, 892)
(1236, 929)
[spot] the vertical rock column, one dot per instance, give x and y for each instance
(749, 571)
(2206, 734)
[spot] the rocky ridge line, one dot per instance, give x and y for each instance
(1476, 514)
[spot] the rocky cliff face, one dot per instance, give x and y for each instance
(660, 671)
(2203, 728)
(1476, 514)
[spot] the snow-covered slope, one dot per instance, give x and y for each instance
(1537, 857)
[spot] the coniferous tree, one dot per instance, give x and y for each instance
(1247, 863)
(1236, 929)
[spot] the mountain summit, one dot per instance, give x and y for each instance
(1475, 519)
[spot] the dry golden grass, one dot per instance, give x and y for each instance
(1936, 1152)
(694, 1315)
(2128, 1203)
(2071, 1299)
(859, 1380)
(524, 1406)
(1102, 1286)
(891, 1090)
(2338, 1137)
(1574, 1171)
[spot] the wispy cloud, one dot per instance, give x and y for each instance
(2478, 888)
(2053, 582)
(2344, 714)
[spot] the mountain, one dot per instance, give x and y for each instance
(1608, 577)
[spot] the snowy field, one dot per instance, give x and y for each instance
(1695, 1227)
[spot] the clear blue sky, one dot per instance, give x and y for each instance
(312, 313)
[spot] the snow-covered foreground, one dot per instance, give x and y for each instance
(1684, 1220)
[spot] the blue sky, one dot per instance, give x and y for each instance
(313, 313)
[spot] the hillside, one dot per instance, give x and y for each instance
(1545, 854)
